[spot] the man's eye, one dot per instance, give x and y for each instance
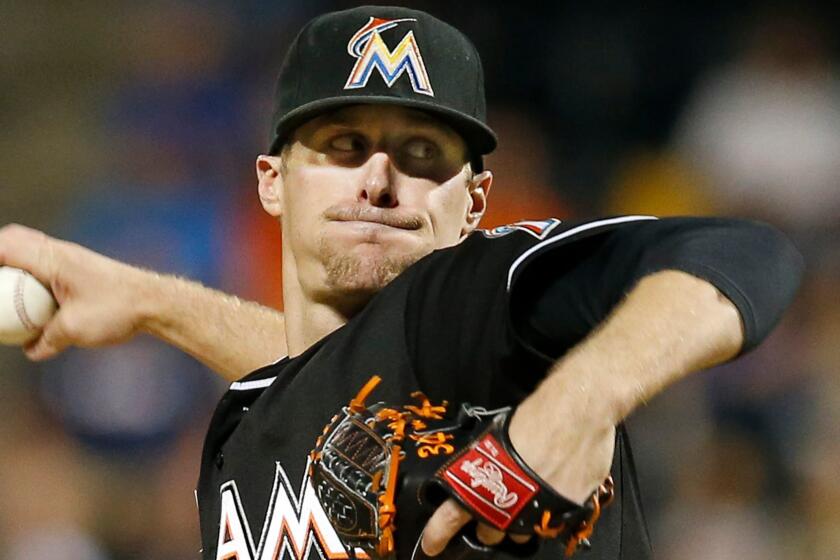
(346, 143)
(420, 149)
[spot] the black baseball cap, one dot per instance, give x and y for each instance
(383, 55)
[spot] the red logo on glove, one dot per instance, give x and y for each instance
(490, 481)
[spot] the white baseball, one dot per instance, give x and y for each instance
(26, 306)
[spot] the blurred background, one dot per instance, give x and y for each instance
(132, 127)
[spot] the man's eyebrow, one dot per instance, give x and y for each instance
(340, 118)
(423, 118)
(419, 118)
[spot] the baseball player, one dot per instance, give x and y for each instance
(375, 174)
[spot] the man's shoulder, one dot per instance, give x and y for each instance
(261, 377)
(540, 232)
(511, 245)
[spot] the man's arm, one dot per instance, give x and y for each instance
(670, 325)
(103, 302)
(618, 315)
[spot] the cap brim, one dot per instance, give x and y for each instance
(479, 137)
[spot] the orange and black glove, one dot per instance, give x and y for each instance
(380, 471)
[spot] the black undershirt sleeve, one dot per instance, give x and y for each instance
(577, 285)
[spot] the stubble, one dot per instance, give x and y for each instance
(347, 272)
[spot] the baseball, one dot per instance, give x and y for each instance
(26, 306)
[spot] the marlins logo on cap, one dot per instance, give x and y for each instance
(317, 75)
(371, 52)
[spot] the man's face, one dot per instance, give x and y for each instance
(368, 190)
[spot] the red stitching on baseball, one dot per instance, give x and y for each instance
(20, 306)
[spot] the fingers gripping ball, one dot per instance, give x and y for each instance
(26, 306)
(381, 470)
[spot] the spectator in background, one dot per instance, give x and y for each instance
(174, 142)
(164, 205)
(765, 128)
(523, 187)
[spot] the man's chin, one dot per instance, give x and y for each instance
(365, 268)
(353, 272)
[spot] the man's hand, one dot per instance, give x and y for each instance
(101, 300)
(450, 518)
(574, 458)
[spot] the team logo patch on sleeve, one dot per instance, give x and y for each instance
(372, 54)
(538, 228)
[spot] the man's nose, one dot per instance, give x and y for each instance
(378, 185)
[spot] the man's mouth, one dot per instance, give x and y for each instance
(377, 216)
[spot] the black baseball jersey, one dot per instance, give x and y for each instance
(479, 322)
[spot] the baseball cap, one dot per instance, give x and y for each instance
(383, 55)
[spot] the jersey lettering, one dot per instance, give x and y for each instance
(235, 542)
(293, 526)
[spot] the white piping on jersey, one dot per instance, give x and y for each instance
(255, 384)
(570, 233)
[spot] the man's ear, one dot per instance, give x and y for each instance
(477, 189)
(270, 184)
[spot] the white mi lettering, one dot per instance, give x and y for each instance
(293, 526)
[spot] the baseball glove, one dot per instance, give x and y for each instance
(380, 471)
